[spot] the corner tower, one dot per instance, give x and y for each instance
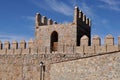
(83, 25)
(51, 36)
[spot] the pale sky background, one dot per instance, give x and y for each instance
(17, 17)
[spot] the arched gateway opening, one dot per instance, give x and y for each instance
(54, 41)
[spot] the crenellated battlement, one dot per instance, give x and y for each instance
(80, 17)
(96, 47)
(15, 47)
(58, 49)
(80, 26)
(29, 47)
(43, 20)
(69, 38)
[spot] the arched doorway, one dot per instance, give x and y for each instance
(54, 41)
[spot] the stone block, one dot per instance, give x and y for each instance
(80, 49)
(96, 40)
(100, 49)
(84, 41)
(111, 48)
(18, 51)
(90, 50)
(3, 51)
(14, 45)
(10, 51)
(109, 40)
(25, 51)
(22, 44)
(6, 45)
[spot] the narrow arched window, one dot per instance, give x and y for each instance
(54, 41)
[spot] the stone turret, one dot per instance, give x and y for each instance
(109, 40)
(6, 45)
(96, 41)
(84, 41)
(22, 44)
(80, 17)
(87, 21)
(30, 43)
(50, 22)
(84, 18)
(14, 45)
(80, 14)
(76, 15)
(58, 49)
(38, 20)
(83, 25)
(44, 20)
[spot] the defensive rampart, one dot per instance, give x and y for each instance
(29, 47)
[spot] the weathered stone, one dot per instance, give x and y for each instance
(57, 53)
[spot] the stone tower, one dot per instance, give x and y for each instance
(83, 25)
(55, 53)
(55, 36)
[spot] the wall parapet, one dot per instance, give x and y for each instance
(29, 47)
(43, 20)
(15, 47)
(79, 16)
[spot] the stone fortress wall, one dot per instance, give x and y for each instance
(69, 33)
(98, 67)
(95, 62)
(76, 56)
(28, 47)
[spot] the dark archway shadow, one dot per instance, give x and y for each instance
(54, 41)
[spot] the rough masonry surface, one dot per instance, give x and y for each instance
(61, 52)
